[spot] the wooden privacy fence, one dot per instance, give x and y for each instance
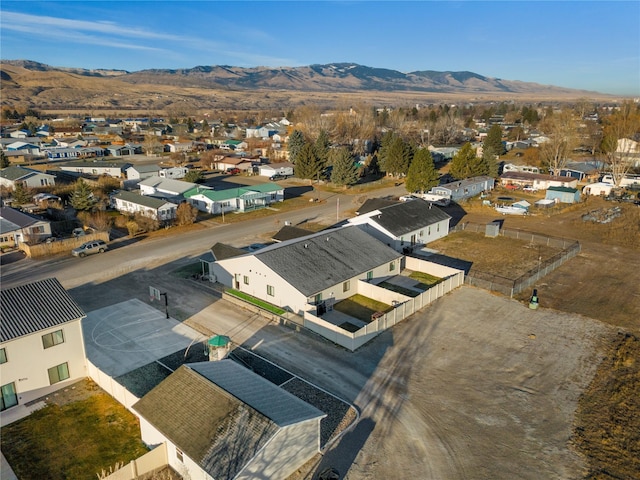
(511, 286)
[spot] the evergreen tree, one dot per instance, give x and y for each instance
(465, 163)
(308, 164)
(21, 194)
(322, 147)
(493, 140)
(194, 176)
(344, 170)
(82, 198)
(295, 144)
(4, 161)
(395, 155)
(489, 163)
(422, 174)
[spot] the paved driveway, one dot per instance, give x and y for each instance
(122, 337)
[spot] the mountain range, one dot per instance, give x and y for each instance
(45, 86)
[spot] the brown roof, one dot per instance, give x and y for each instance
(212, 427)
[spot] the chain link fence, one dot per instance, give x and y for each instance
(510, 286)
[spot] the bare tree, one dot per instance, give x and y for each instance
(152, 145)
(561, 129)
(620, 142)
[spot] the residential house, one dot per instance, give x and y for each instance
(405, 225)
(27, 177)
(155, 208)
(563, 194)
(583, 171)
(140, 172)
(23, 147)
(57, 153)
(539, 181)
(271, 169)
(280, 273)
(122, 150)
(17, 227)
(178, 147)
(239, 199)
(260, 132)
(165, 187)
(96, 168)
(237, 145)
(41, 344)
(21, 133)
(224, 163)
(173, 172)
(463, 189)
(221, 421)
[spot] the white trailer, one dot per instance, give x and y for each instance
(599, 188)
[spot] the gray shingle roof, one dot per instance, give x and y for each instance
(277, 404)
(144, 200)
(18, 218)
(333, 256)
(15, 172)
(374, 204)
(402, 218)
(289, 233)
(222, 251)
(35, 306)
(213, 426)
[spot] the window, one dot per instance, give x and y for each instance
(58, 373)
(246, 280)
(392, 266)
(271, 291)
(179, 455)
(9, 397)
(52, 339)
(346, 286)
(318, 298)
(370, 275)
(3, 355)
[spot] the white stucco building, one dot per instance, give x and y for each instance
(41, 345)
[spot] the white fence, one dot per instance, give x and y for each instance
(147, 463)
(113, 388)
(404, 306)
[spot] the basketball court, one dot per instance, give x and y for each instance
(125, 336)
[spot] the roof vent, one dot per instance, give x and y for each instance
(306, 245)
(328, 238)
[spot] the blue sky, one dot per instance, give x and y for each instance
(578, 44)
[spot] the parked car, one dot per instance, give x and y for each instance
(89, 248)
(278, 176)
(530, 188)
(233, 171)
(78, 232)
(511, 186)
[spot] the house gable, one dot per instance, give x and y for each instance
(36, 306)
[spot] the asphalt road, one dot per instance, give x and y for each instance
(126, 255)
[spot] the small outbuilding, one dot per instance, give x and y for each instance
(563, 194)
(598, 188)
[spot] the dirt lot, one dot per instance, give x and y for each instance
(478, 385)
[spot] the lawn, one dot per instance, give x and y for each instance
(75, 441)
(361, 307)
(257, 302)
(426, 281)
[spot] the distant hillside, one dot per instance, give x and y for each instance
(46, 87)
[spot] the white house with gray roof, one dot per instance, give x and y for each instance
(151, 207)
(28, 177)
(221, 421)
(41, 345)
(306, 271)
(166, 187)
(405, 225)
(17, 227)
